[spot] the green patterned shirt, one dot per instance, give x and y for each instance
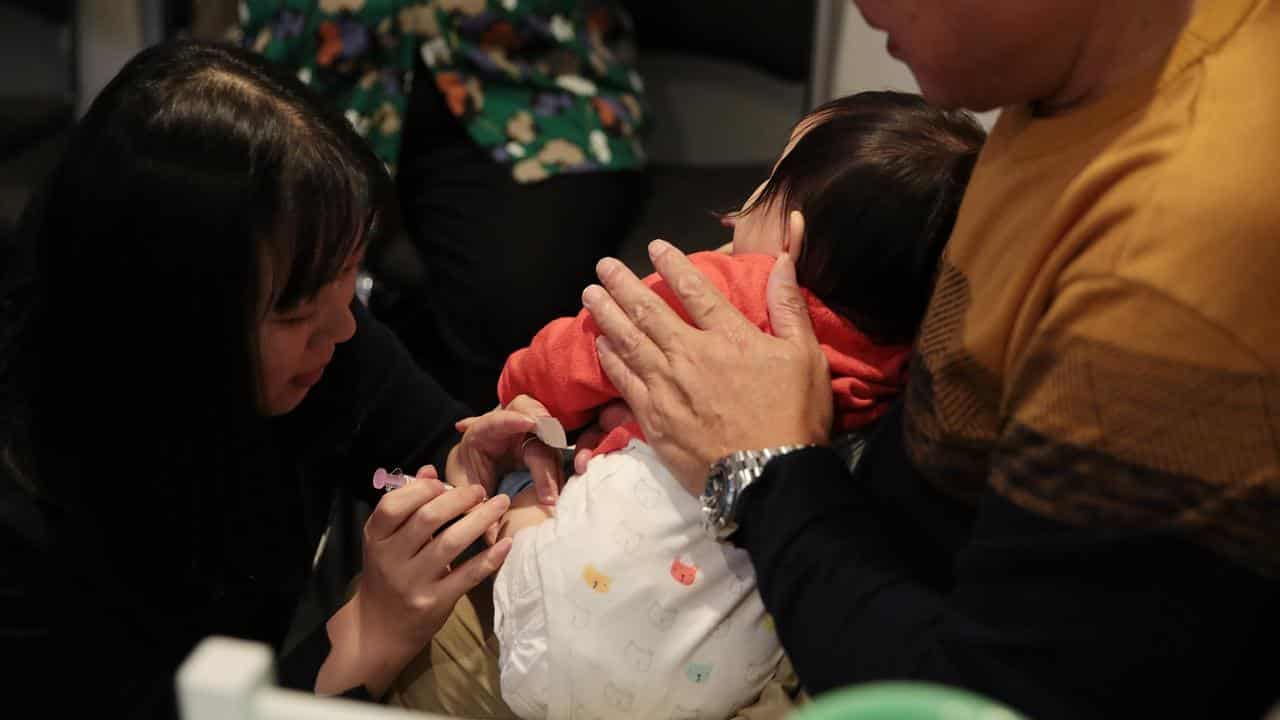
(546, 86)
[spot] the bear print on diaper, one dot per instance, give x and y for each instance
(627, 539)
(581, 616)
(637, 657)
(661, 616)
(617, 697)
(646, 494)
(595, 579)
(698, 673)
(681, 712)
(684, 571)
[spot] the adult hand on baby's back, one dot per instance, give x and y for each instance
(700, 393)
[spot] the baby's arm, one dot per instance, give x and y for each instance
(562, 370)
(561, 367)
(525, 512)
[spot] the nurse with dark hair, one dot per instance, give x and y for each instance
(190, 392)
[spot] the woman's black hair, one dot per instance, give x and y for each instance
(203, 188)
(879, 177)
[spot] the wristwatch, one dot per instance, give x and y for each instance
(728, 478)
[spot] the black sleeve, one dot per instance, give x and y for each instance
(1057, 621)
(377, 408)
(61, 643)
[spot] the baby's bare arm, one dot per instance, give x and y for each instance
(525, 512)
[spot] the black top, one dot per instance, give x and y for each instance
(80, 626)
(878, 576)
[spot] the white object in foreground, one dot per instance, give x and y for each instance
(227, 679)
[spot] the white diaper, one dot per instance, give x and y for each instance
(622, 606)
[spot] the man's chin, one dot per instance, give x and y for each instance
(954, 98)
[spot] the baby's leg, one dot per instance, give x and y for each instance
(457, 674)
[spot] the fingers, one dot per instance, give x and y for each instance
(706, 306)
(446, 546)
(622, 374)
(543, 462)
(635, 318)
(506, 423)
(587, 442)
(528, 406)
(427, 520)
(466, 422)
(788, 311)
(428, 471)
(474, 571)
(580, 460)
(395, 508)
(793, 237)
(546, 468)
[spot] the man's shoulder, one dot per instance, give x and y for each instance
(1195, 217)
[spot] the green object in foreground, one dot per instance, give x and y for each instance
(904, 701)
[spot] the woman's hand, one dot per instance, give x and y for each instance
(611, 416)
(703, 392)
(498, 442)
(408, 588)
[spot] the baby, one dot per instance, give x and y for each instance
(617, 603)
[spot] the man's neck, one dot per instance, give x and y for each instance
(1127, 39)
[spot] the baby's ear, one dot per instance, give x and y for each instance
(793, 236)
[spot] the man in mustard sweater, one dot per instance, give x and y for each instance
(1076, 510)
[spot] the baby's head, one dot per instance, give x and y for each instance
(876, 179)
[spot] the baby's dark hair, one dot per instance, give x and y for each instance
(879, 177)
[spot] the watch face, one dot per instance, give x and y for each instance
(713, 501)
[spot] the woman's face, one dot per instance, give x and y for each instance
(295, 345)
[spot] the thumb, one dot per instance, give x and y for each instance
(500, 425)
(788, 311)
(528, 406)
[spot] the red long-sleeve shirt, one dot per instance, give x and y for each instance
(561, 369)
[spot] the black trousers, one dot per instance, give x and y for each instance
(501, 258)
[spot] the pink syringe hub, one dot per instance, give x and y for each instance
(387, 481)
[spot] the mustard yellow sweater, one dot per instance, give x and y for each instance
(1103, 346)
